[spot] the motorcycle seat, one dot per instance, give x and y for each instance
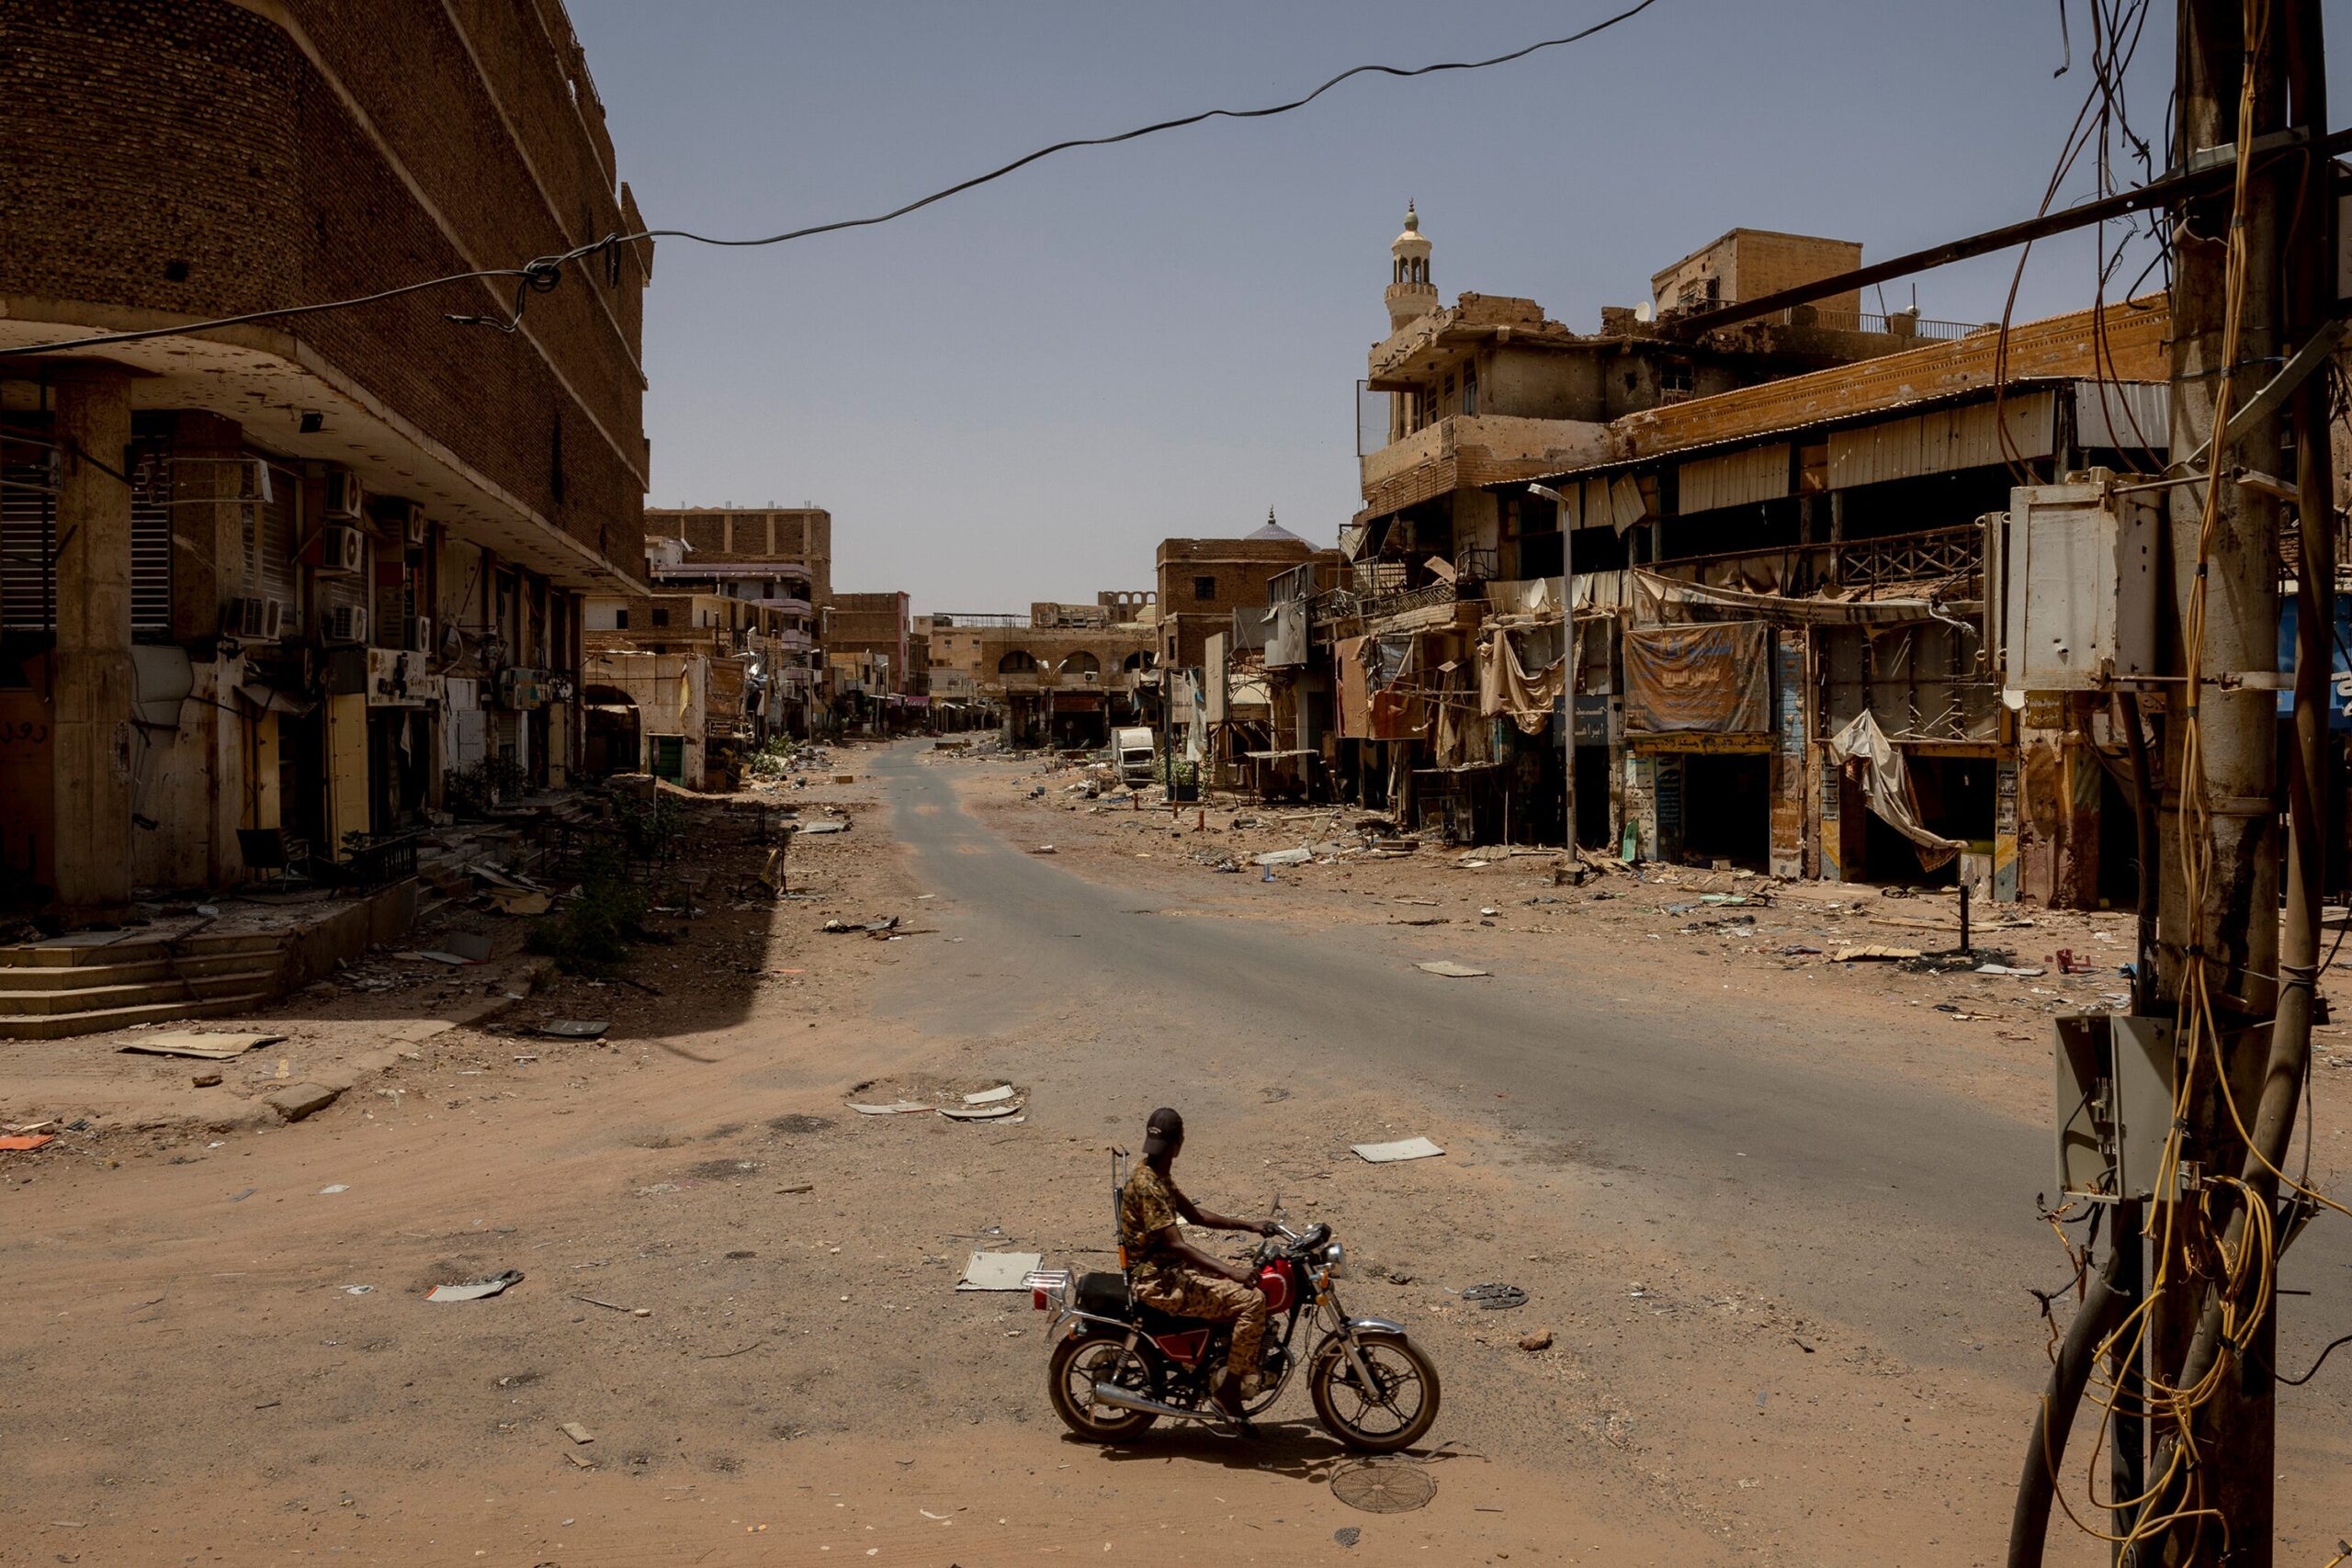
(1103, 1294)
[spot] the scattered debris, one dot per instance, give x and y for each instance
(1299, 856)
(575, 1028)
(608, 1306)
(519, 901)
(20, 1141)
(903, 1108)
(1383, 1486)
(978, 1113)
(205, 1080)
(990, 1095)
(329, 1192)
(999, 1270)
(359, 1290)
(1496, 1297)
(580, 1460)
(475, 1290)
(1539, 1340)
(1451, 970)
(301, 1100)
(576, 1432)
(1872, 952)
(1388, 1154)
(195, 1043)
(2013, 970)
(465, 944)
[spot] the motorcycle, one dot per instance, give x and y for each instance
(1117, 1365)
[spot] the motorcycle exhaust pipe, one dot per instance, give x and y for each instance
(1106, 1395)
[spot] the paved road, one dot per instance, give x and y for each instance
(1892, 1205)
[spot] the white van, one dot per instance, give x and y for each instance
(1131, 753)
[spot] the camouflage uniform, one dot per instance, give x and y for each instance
(1147, 1203)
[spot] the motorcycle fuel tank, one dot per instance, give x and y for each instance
(1278, 1279)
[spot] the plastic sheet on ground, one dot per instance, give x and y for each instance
(999, 1270)
(1389, 1153)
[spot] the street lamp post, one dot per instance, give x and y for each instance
(1567, 669)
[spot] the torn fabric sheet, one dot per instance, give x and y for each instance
(1666, 600)
(1886, 787)
(1505, 685)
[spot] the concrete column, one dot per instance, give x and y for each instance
(209, 524)
(91, 757)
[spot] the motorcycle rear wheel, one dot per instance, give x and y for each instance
(1384, 1421)
(1081, 1362)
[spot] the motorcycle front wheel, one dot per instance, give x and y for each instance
(1081, 1362)
(1384, 1419)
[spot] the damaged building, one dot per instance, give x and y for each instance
(271, 592)
(1064, 675)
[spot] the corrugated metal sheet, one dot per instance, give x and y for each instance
(1736, 478)
(1943, 440)
(2126, 414)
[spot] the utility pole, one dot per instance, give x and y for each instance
(2220, 949)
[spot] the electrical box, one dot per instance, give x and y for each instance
(2114, 1103)
(2073, 568)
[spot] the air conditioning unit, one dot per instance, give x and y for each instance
(253, 619)
(344, 496)
(347, 623)
(416, 634)
(412, 522)
(343, 550)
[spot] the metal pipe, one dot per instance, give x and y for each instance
(1567, 671)
(1104, 1393)
(2157, 193)
(2103, 1307)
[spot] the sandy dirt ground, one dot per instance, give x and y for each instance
(219, 1348)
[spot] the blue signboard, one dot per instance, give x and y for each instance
(2339, 694)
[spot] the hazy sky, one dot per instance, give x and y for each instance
(1015, 395)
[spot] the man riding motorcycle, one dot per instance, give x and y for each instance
(1165, 1271)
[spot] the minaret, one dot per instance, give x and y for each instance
(1411, 295)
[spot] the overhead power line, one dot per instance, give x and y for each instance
(544, 273)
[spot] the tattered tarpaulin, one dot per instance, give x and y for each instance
(1464, 738)
(1714, 678)
(1505, 687)
(1886, 787)
(1670, 599)
(1353, 708)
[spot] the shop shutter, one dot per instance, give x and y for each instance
(28, 532)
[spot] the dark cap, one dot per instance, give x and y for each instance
(1163, 1131)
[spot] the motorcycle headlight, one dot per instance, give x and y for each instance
(1335, 1260)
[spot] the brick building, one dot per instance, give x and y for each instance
(777, 566)
(1202, 580)
(876, 625)
(267, 586)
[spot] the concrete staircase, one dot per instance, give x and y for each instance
(90, 983)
